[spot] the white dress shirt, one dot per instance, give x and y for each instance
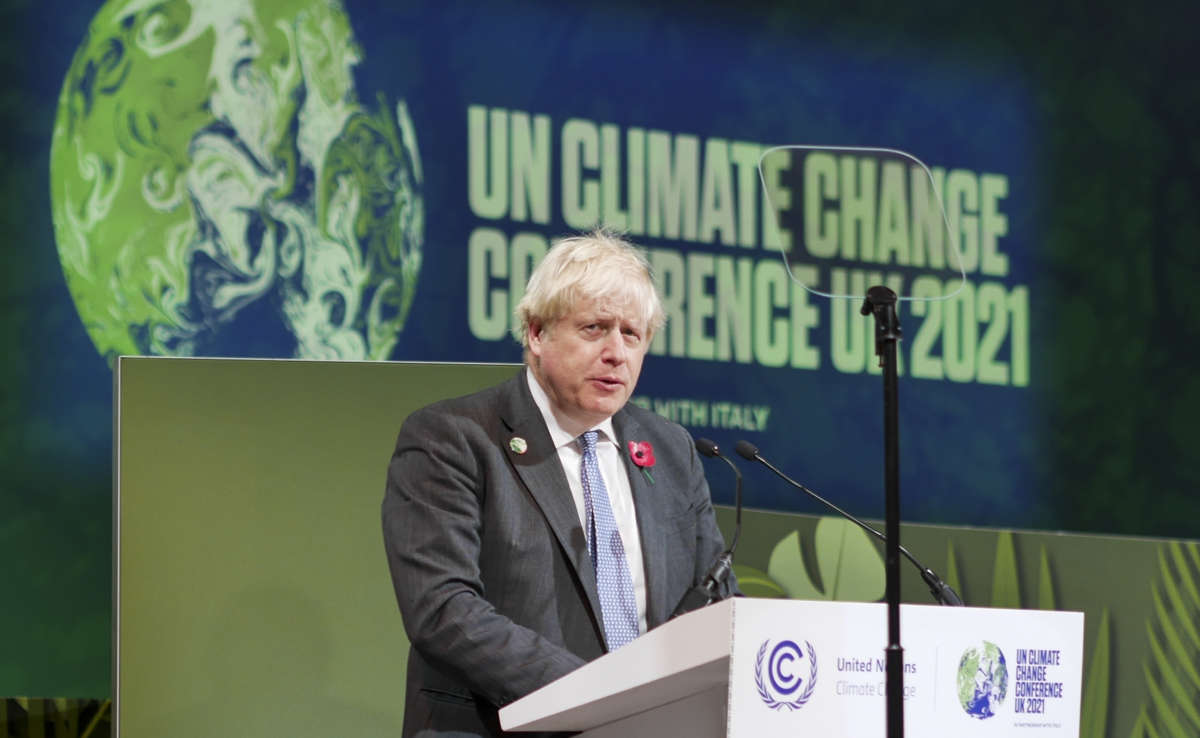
(616, 480)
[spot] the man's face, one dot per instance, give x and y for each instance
(589, 360)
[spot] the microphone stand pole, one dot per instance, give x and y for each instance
(881, 302)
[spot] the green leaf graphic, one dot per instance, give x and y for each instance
(1162, 708)
(1093, 722)
(1142, 727)
(66, 717)
(848, 561)
(1172, 677)
(1045, 584)
(100, 716)
(1006, 589)
(1177, 690)
(1181, 563)
(952, 577)
(1177, 603)
(786, 567)
(850, 565)
(755, 582)
(1170, 633)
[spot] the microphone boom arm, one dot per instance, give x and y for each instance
(941, 591)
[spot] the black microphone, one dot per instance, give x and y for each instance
(941, 591)
(708, 591)
(710, 450)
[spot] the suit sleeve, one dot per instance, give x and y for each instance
(432, 526)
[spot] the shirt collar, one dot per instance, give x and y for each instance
(558, 435)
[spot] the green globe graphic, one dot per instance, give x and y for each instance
(218, 189)
(982, 680)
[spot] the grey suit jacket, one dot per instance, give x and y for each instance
(488, 559)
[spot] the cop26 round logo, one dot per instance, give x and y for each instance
(982, 680)
(780, 676)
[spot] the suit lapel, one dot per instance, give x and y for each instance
(646, 501)
(542, 474)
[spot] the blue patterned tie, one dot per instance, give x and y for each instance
(617, 605)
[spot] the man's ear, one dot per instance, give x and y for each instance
(535, 334)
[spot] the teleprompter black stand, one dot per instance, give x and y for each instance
(881, 302)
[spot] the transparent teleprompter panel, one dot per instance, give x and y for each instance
(850, 218)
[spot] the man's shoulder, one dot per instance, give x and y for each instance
(651, 423)
(488, 402)
(644, 416)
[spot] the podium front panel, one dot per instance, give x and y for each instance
(818, 668)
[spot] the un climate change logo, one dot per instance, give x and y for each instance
(982, 680)
(783, 688)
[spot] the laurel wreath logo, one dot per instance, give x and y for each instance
(804, 695)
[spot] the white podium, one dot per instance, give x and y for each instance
(751, 668)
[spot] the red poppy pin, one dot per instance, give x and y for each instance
(642, 454)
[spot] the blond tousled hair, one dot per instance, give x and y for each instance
(600, 266)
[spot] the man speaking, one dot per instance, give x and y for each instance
(538, 524)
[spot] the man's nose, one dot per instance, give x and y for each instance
(615, 352)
